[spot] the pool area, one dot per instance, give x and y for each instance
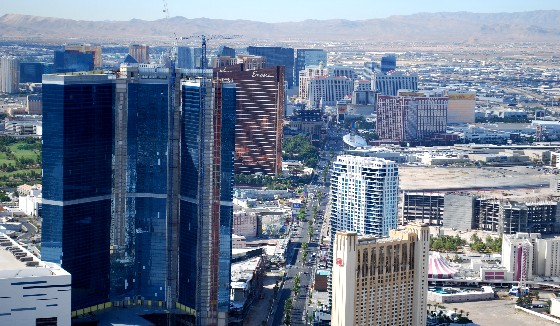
(444, 290)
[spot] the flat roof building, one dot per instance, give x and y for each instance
(32, 292)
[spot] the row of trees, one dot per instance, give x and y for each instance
(446, 243)
(289, 305)
(17, 178)
(304, 247)
(272, 183)
(488, 246)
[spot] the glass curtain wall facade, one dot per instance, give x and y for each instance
(72, 61)
(277, 56)
(30, 72)
(206, 208)
(77, 158)
(308, 57)
(139, 256)
(260, 105)
(189, 57)
(136, 206)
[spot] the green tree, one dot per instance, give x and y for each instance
(4, 197)
(300, 148)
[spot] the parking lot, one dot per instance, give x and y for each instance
(498, 312)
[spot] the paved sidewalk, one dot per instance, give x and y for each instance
(261, 306)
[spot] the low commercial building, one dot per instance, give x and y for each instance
(246, 285)
(508, 156)
(238, 241)
(495, 274)
(31, 205)
(450, 295)
(321, 280)
(30, 199)
(245, 224)
(34, 104)
(308, 122)
(26, 190)
(32, 292)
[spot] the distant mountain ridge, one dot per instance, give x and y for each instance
(533, 26)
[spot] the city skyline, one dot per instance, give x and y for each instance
(153, 10)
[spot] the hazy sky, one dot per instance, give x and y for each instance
(260, 10)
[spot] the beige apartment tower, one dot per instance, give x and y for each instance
(140, 53)
(380, 280)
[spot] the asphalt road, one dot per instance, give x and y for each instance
(295, 265)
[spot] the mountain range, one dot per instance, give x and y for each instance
(533, 26)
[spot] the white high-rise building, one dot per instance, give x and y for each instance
(308, 73)
(9, 75)
(327, 90)
(391, 83)
(380, 280)
(364, 195)
(544, 254)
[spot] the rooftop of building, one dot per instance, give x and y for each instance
(524, 235)
(323, 272)
(17, 262)
(242, 272)
(394, 235)
(364, 160)
(511, 181)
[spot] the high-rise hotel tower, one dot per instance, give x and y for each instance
(380, 280)
(138, 192)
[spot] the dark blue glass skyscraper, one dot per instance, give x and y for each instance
(30, 72)
(72, 61)
(77, 158)
(206, 208)
(388, 63)
(137, 194)
(277, 56)
(140, 190)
